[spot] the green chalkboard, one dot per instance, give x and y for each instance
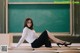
(38, 0)
(55, 18)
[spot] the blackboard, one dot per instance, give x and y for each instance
(55, 18)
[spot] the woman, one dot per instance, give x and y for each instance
(30, 36)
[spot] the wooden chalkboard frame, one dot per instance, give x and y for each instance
(38, 0)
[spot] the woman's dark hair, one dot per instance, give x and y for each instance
(25, 24)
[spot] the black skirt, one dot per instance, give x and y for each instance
(43, 39)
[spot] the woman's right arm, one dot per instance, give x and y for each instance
(24, 34)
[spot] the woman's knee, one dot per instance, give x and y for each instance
(45, 31)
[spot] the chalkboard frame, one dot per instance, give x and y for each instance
(62, 33)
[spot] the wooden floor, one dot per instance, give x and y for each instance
(24, 48)
(54, 49)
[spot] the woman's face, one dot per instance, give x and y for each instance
(29, 23)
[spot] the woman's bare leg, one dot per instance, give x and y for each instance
(56, 40)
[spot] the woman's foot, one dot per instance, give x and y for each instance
(67, 43)
(64, 43)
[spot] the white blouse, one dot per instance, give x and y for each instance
(28, 35)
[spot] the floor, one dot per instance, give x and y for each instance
(55, 49)
(46, 50)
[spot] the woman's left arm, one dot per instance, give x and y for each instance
(24, 34)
